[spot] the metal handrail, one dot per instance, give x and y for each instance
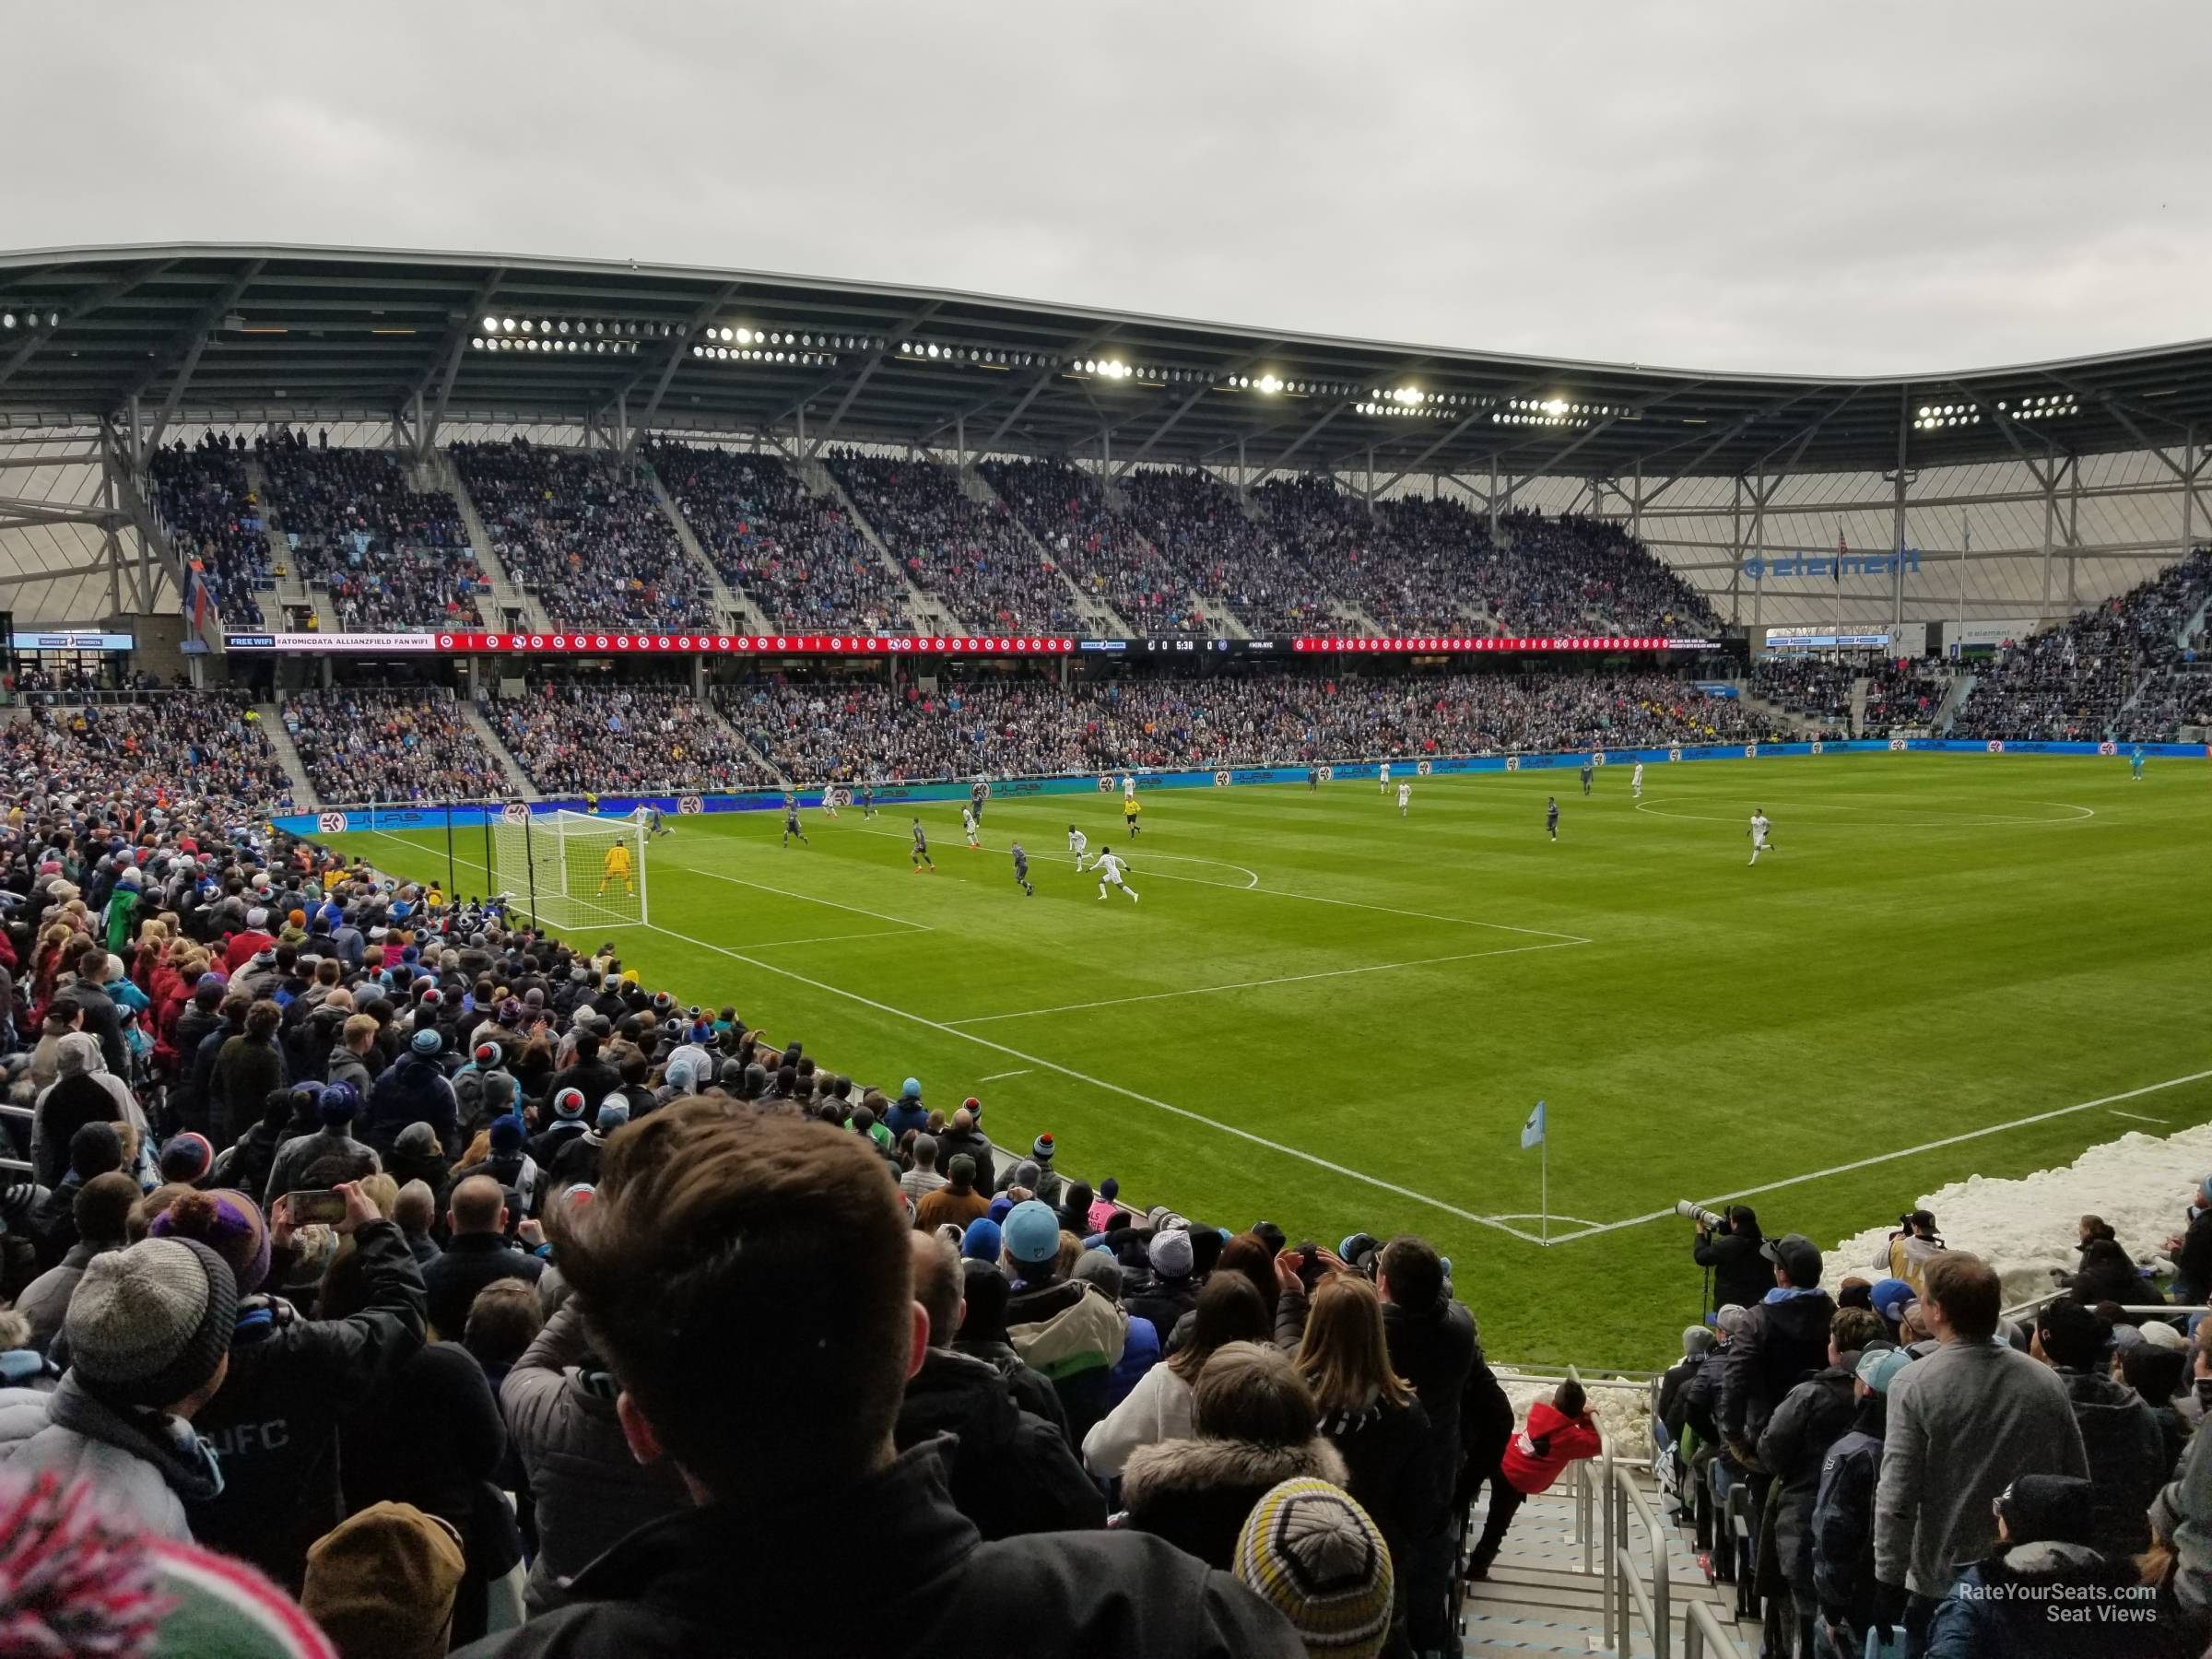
(1702, 1633)
(1622, 1569)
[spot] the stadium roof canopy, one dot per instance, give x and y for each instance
(199, 333)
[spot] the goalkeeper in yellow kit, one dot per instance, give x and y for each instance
(615, 867)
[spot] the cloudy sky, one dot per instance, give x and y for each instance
(1791, 187)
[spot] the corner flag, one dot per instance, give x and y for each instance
(1532, 1132)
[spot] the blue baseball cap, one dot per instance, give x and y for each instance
(1032, 1232)
(981, 1241)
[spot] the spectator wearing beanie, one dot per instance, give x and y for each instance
(383, 1583)
(964, 1135)
(1171, 1291)
(1010, 1472)
(907, 1112)
(102, 1209)
(568, 1123)
(293, 1379)
(1253, 1421)
(2044, 1557)
(149, 1341)
(577, 1164)
(1311, 1552)
(1049, 1185)
(187, 1160)
(724, 1229)
(507, 1162)
(1104, 1207)
(1075, 1208)
(954, 1204)
(417, 1155)
(247, 1162)
(1785, 1337)
(1140, 1344)
(336, 1110)
(414, 1089)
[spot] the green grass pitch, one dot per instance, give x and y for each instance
(1326, 1016)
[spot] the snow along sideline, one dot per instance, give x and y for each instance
(2141, 1184)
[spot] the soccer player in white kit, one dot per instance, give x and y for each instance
(1076, 842)
(1109, 874)
(1405, 798)
(1758, 833)
(1636, 782)
(1128, 786)
(1383, 779)
(967, 824)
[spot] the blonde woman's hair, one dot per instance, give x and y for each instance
(1345, 1357)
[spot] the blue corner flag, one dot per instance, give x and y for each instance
(1532, 1132)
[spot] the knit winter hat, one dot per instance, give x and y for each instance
(487, 1055)
(613, 1114)
(148, 1325)
(1170, 1253)
(1310, 1550)
(228, 1223)
(382, 1581)
(567, 1103)
(428, 1042)
(507, 1135)
(911, 1090)
(186, 1158)
(1042, 1149)
(417, 1140)
(982, 1240)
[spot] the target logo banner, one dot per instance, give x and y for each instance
(1996, 745)
(1105, 784)
(1220, 779)
(1751, 751)
(1674, 754)
(1513, 763)
(2108, 748)
(689, 805)
(515, 812)
(330, 823)
(1896, 746)
(1817, 748)
(1422, 769)
(1597, 758)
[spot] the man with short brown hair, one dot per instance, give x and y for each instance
(750, 1281)
(1964, 1423)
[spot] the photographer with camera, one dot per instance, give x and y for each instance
(1729, 1246)
(1906, 1252)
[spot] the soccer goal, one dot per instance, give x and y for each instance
(569, 869)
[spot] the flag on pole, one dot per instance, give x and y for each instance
(1532, 1132)
(195, 595)
(1842, 552)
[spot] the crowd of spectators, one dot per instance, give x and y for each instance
(819, 731)
(170, 751)
(364, 745)
(1573, 574)
(1409, 564)
(972, 555)
(212, 519)
(1198, 526)
(1919, 1463)
(1817, 688)
(585, 536)
(1100, 546)
(391, 557)
(2118, 672)
(1904, 695)
(571, 738)
(797, 554)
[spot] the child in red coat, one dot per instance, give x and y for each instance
(1556, 1435)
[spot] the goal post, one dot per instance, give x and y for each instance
(569, 869)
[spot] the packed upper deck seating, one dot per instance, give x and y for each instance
(1100, 546)
(210, 514)
(586, 536)
(391, 556)
(364, 745)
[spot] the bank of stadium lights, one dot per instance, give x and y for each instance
(2048, 406)
(1269, 385)
(1553, 412)
(28, 319)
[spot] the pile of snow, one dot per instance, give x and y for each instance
(2141, 1184)
(1625, 1413)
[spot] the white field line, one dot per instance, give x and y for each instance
(2137, 1116)
(1038, 1063)
(1064, 857)
(1867, 1163)
(809, 898)
(1252, 878)
(1966, 821)
(1286, 978)
(996, 1077)
(879, 933)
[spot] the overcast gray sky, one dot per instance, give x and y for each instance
(1853, 188)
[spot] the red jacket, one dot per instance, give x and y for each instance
(1539, 1453)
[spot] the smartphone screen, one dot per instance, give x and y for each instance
(315, 1205)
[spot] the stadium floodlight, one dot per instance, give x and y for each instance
(492, 325)
(1270, 385)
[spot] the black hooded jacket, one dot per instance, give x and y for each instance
(1010, 1473)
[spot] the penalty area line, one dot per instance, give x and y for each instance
(1883, 1157)
(1038, 1063)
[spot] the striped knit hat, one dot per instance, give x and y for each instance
(1311, 1552)
(150, 1324)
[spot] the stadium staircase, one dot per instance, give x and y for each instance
(929, 614)
(293, 595)
(729, 729)
(1596, 1565)
(1222, 621)
(1962, 687)
(1354, 619)
(1100, 619)
(1858, 706)
(733, 610)
(505, 595)
(287, 756)
(136, 504)
(517, 778)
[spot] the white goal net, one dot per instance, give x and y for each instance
(569, 869)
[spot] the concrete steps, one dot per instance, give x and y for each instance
(929, 614)
(1099, 618)
(1962, 687)
(733, 611)
(1354, 619)
(516, 777)
(271, 719)
(292, 589)
(735, 735)
(505, 595)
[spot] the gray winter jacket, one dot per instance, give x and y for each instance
(142, 1467)
(559, 1405)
